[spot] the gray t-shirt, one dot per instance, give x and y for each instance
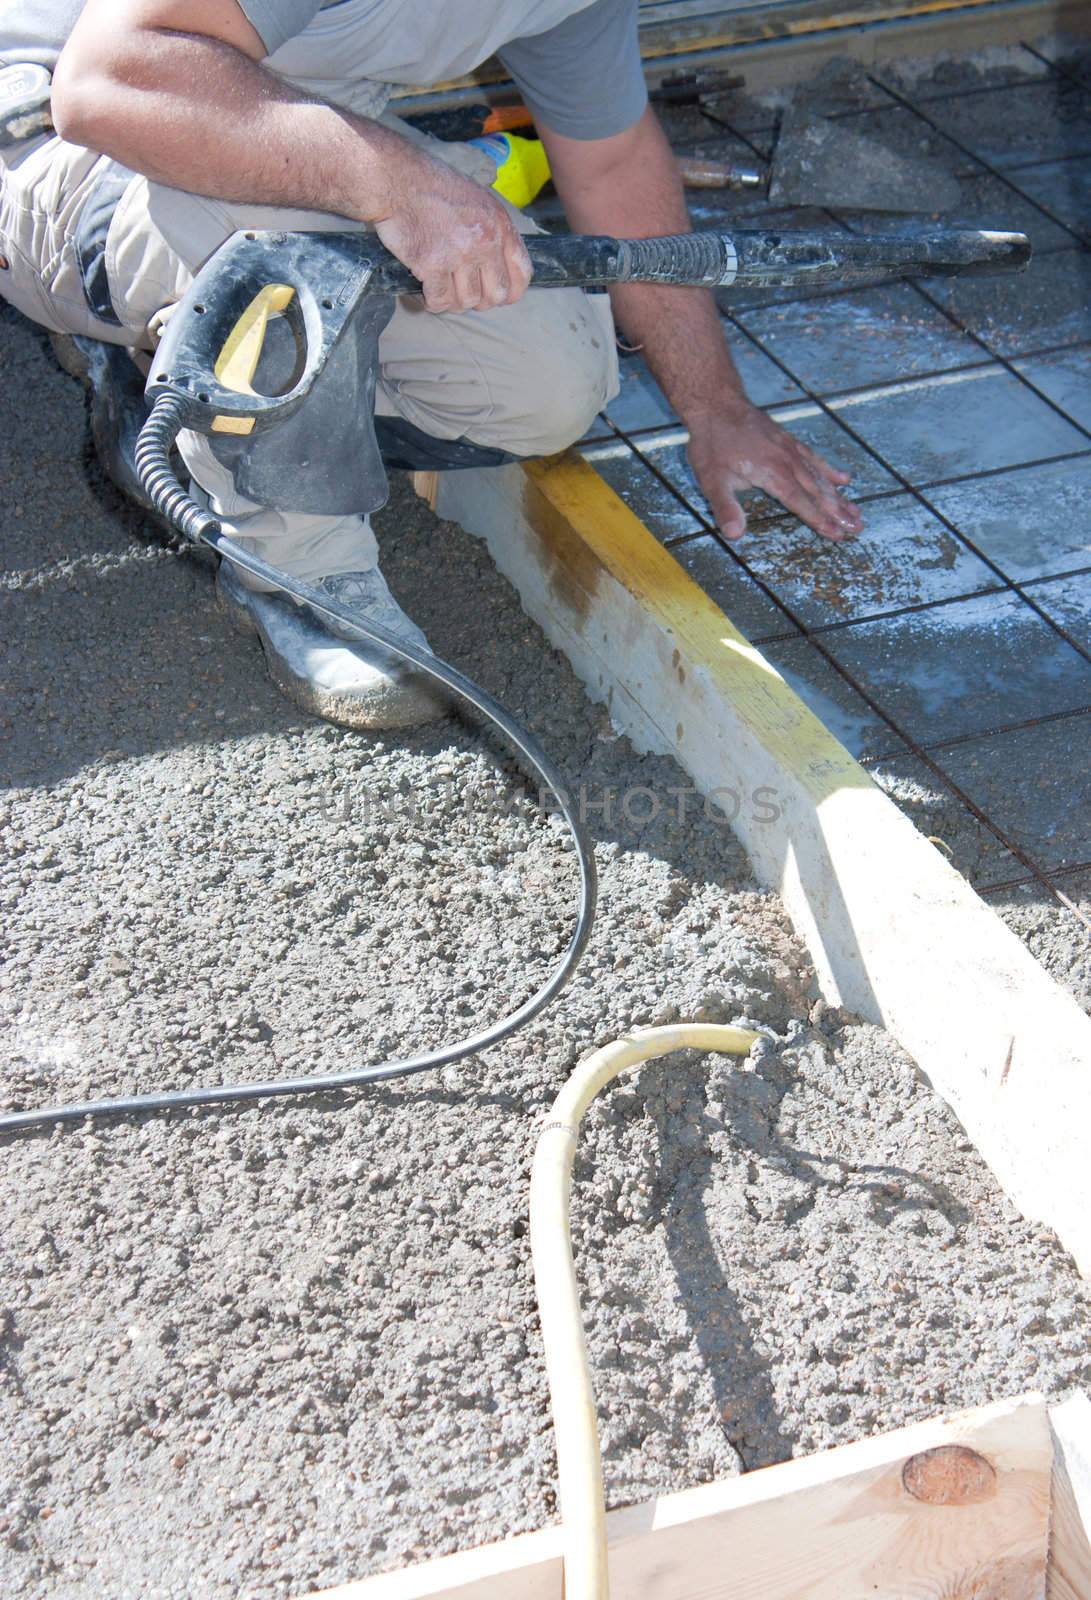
(576, 62)
(35, 30)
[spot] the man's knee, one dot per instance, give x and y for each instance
(527, 379)
(568, 370)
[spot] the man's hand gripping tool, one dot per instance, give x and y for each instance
(274, 351)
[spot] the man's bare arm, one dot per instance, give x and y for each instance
(176, 90)
(628, 185)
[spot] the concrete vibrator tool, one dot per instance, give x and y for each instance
(308, 441)
(273, 354)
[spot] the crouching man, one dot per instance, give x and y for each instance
(177, 122)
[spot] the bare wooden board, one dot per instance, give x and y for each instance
(895, 933)
(956, 1509)
(694, 27)
(777, 42)
(1069, 1573)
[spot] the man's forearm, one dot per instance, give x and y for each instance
(197, 110)
(628, 184)
(681, 337)
(197, 114)
(679, 330)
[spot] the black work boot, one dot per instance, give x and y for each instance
(118, 411)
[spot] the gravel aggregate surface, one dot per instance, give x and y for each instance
(1050, 932)
(258, 1352)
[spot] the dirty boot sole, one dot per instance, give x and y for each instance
(377, 700)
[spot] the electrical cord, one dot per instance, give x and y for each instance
(170, 499)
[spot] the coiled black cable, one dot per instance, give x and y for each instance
(170, 499)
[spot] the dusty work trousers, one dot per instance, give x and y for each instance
(91, 248)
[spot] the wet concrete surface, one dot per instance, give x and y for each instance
(1068, 51)
(1029, 522)
(1014, 126)
(660, 508)
(967, 422)
(841, 88)
(1063, 188)
(722, 578)
(1068, 602)
(997, 462)
(905, 556)
(955, 74)
(1065, 378)
(1035, 782)
(943, 817)
(1048, 305)
(863, 731)
(851, 341)
(989, 200)
(965, 667)
(641, 404)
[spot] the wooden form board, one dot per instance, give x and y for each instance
(956, 1509)
(686, 33)
(693, 32)
(772, 59)
(896, 934)
(1069, 1569)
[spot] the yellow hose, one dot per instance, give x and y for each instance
(579, 1465)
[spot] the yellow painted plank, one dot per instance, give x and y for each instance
(585, 514)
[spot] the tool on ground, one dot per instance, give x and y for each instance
(334, 293)
(506, 119)
(696, 88)
(701, 172)
(481, 126)
(817, 162)
(820, 163)
(522, 168)
(453, 114)
(571, 1396)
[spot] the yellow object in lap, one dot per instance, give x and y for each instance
(522, 166)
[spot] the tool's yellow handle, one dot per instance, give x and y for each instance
(238, 359)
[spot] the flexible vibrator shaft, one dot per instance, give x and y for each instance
(328, 283)
(748, 259)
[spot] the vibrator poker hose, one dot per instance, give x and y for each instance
(199, 525)
(571, 1396)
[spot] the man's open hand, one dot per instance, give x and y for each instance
(745, 449)
(456, 237)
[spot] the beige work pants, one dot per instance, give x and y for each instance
(527, 379)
